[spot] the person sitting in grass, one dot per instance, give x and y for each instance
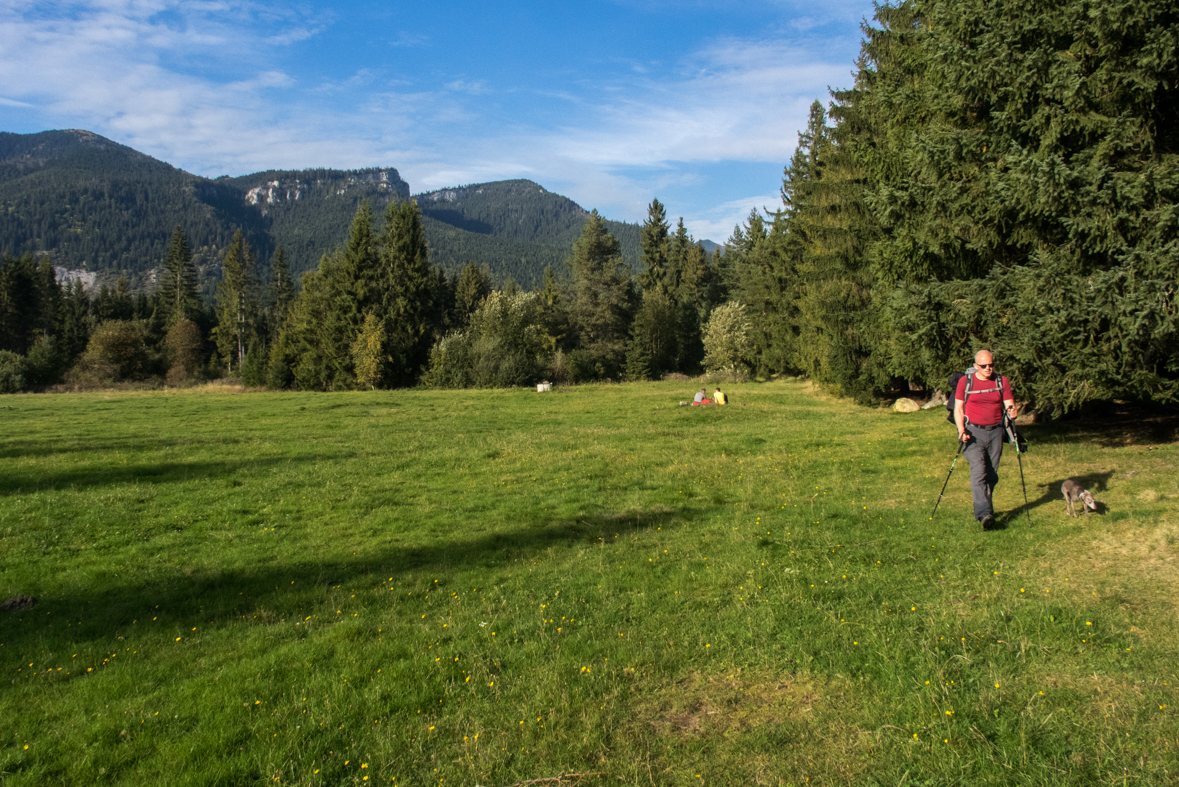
(719, 397)
(701, 398)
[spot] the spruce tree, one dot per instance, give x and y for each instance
(282, 289)
(638, 357)
(406, 304)
(178, 284)
(657, 328)
(554, 316)
(237, 303)
(474, 284)
(678, 246)
(653, 242)
(993, 150)
(602, 296)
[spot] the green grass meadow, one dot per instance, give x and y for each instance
(505, 587)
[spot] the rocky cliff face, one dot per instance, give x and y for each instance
(286, 187)
(274, 191)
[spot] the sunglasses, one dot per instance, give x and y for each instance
(985, 365)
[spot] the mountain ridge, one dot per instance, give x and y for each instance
(98, 206)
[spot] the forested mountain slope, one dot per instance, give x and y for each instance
(101, 206)
(96, 205)
(531, 227)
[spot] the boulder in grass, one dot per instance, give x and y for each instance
(905, 406)
(937, 400)
(17, 603)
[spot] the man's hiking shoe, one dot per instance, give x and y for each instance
(988, 522)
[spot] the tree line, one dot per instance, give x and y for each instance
(1001, 175)
(376, 313)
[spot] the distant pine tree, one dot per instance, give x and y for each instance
(237, 303)
(653, 241)
(473, 286)
(282, 289)
(178, 284)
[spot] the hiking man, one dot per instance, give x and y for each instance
(979, 404)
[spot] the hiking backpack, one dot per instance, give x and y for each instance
(953, 383)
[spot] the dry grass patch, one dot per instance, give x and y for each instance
(730, 704)
(723, 724)
(1142, 559)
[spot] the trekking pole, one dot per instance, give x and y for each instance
(939, 497)
(1019, 456)
(1009, 425)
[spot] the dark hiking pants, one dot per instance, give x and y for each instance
(983, 453)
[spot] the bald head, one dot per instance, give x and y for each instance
(984, 364)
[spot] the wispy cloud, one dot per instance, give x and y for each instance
(717, 223)
(476, 88)
(412, 40)
(733, 101)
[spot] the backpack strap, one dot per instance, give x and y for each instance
(966, 398)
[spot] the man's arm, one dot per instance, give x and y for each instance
(960, 418)
(1009, 406)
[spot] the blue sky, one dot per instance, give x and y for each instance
(610, 103)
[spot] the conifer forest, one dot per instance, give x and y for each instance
(997, 175)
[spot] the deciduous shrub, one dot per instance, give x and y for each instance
(116, 352)
(504, 346)
(12, 372)
(184, 346)
(726, 340)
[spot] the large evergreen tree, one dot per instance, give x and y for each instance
(1025, 157)
(30, 299)
(407, 292)
(602, 296)
(313, 346)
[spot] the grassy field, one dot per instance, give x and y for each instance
(495, 588)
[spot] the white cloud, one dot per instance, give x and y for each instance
(411, 40)
(476, 88)
(717, 223)
(736, 101)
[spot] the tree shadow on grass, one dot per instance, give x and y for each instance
(29, 448)
(194, 598)
(32, 480)
(1117, 424)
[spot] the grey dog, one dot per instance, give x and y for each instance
(1075, 493)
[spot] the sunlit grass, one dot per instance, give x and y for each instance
(486, 587)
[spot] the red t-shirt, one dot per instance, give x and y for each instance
(985, 405)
